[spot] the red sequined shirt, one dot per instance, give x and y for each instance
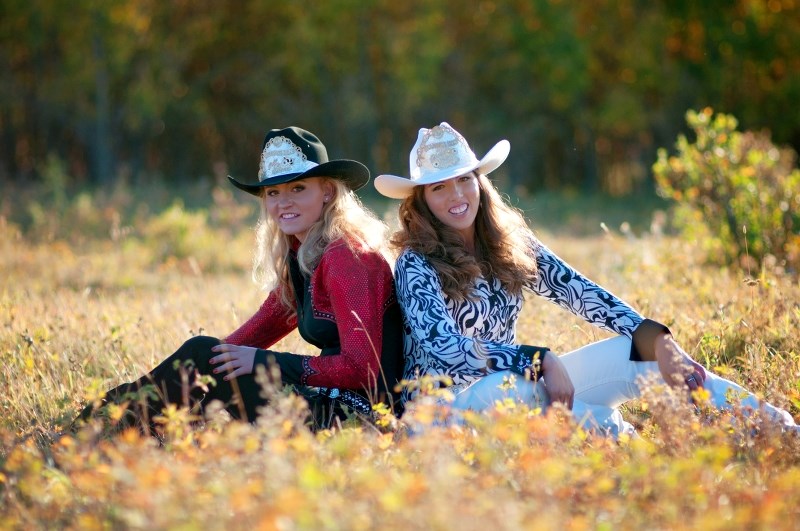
(347, 308)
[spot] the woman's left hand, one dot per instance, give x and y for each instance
(235, 359)
(676, 366)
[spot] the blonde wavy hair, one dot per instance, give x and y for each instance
(344, 218)
(503, 243)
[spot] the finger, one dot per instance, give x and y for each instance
(227, 367)
(241, 370)
(232, 374)
(232, 355)
(699, 369)
(225, 356)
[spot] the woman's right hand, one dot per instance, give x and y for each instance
(676, 366)
(557, 380)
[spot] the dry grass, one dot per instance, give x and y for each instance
(77, 318)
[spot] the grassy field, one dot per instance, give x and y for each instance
(96, 289)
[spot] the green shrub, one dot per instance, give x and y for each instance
(737, 192)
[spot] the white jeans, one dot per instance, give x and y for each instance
(604, 378)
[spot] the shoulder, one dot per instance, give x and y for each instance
(410, 258)
(530, 242)
(411, 264)
(543, 253)
(340, 253)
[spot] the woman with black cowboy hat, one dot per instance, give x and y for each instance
(319, 255)
(466, 257)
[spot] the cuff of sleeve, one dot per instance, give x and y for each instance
(291, 365)
(530, 361)
(260, 358)
(644, 340)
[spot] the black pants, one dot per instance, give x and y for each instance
(175, 381)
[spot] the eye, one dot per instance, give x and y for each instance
(298, 188)
(436, 187)
(465, 178)
(271, 192)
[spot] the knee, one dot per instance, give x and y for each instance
(198, 349)
(201, 342)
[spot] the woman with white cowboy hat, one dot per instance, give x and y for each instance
(465, 258)
(319, 255)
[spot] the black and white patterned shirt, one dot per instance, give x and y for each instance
(467, 339)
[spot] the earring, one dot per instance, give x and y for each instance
(325, 199)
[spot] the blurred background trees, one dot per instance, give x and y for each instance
(585, 91)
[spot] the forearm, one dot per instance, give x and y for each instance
(319, 371)
(645, 339)
(476, 358)
(561, 284)
(267, 326)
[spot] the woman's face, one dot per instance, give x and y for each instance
(455, 202)
(297, 205)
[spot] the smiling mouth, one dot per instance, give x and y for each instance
(460, 209)
(289, 216)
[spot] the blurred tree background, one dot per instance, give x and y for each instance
(585, 91)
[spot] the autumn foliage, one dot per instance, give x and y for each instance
(736, 191)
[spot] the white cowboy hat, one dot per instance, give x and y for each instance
(440, 153)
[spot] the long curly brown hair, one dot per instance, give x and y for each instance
(503, 243)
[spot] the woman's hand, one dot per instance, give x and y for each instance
(676, 366)
(236, 360)
(557, 380)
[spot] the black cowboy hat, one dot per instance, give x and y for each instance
(294, 153)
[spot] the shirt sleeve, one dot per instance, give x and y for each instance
(561, 284)
(271, 323)
(419, 292)
(359, 288)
